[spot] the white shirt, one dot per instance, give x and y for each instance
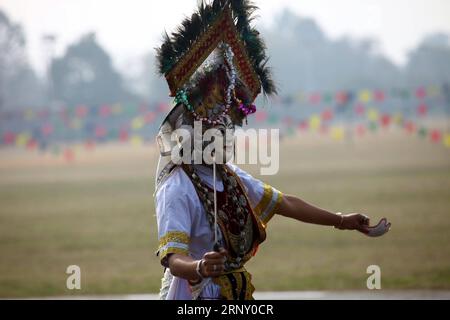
(183, 226)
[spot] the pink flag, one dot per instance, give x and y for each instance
(261, 116)
(9, 138)
(422, 110)
(69, 155)
(360, 130)
(379, 96)
(315, 98)
(360, 109)
(105, 111)
(81, 111)
(421, 93)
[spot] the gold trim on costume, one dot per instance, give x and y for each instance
(163, 254)
(272, 212)
(268, 204)
(226, 288)
(174, 236)
(265, 200)
(173, 242)
(223, 29)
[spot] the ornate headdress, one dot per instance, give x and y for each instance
(215, 64)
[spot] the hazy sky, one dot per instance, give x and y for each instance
(129, 28)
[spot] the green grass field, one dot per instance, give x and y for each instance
(98, 213)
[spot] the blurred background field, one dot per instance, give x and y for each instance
(98, 213)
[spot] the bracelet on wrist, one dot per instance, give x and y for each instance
(341, 222)
(198, 269)
(199, 274)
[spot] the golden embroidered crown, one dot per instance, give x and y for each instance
(216, 63)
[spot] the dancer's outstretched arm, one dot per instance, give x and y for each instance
(295, 208)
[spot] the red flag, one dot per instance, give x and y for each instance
(410, 127)
(123, 135)
(31, 144)
(303, 125)
(436, 136)
(327, 115)
(341, 97)
(385, 120)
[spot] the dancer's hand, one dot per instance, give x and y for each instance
(213, 263)
(355, 221)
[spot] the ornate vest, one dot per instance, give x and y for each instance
(241, 228)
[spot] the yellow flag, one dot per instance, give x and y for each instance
(365, 96)
(372, 114)
(314, 122)
(447, 140)
(397, 118)
(22, 139)
(136, 140)
(138, 123)
(433, 91)
(337, 133)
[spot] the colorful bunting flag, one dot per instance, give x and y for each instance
(327, 115)
(360, 110)
(422, 110)
(360, 130)
(136, 140)
(373, 115)
(69, 155)
(385, 120)
(421, 93)
(436, 136)
(22, 139)
(337, 133)
(379, 96)
(314, 122)
(138, 123)
(365, 96)
(447, 140)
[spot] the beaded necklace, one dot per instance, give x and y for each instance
(243, 218)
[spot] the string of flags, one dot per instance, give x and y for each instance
(365, 95)
(65, 131)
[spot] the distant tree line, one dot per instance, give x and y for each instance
(302, 57)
